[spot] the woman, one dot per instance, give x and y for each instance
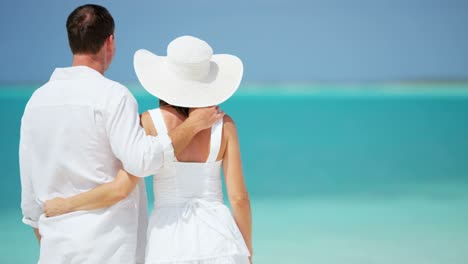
(189, 222)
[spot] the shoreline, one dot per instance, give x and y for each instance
(19, 90)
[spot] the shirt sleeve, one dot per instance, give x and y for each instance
(31, 209)
(141, 155)
(142, 222)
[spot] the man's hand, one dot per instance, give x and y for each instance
(203, 118)
(55, 207)
(198, 120)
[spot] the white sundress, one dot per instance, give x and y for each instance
(190, 222)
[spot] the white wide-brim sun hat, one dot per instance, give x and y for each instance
(190, 75)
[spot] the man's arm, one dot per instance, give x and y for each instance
(199, 119)
(142, 155)
(29, 206)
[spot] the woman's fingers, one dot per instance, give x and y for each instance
(54, 207)
(46, 209)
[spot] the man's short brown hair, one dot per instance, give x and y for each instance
(88, 27)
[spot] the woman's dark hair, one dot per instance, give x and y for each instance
(88, 27)
(181, 110)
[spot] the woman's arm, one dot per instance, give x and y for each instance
(102, 196)
(236, 188)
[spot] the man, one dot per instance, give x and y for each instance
(77, 131)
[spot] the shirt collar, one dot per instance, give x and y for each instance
(75, 72)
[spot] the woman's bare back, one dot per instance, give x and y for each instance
(198, 149)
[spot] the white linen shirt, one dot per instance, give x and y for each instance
(77, 131)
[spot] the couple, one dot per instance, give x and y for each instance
(84, 149)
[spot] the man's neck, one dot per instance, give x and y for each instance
(91, 61)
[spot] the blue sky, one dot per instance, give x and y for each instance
(279, 41)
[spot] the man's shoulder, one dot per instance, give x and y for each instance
(116, 88)
(114, 94)
(37, 93)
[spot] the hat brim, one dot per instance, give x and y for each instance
(220, 83)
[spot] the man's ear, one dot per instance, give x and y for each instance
(110, 42)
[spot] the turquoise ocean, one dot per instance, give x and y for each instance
(346, 174)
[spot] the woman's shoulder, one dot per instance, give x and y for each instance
(229, 126)
(145, 116)
(165, 111)
(147, 113)
(147, 123)
(228, 121)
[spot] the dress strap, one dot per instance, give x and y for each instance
(158, 120)
(161, 128)
(215, 140)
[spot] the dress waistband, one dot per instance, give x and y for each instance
(183, 202)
